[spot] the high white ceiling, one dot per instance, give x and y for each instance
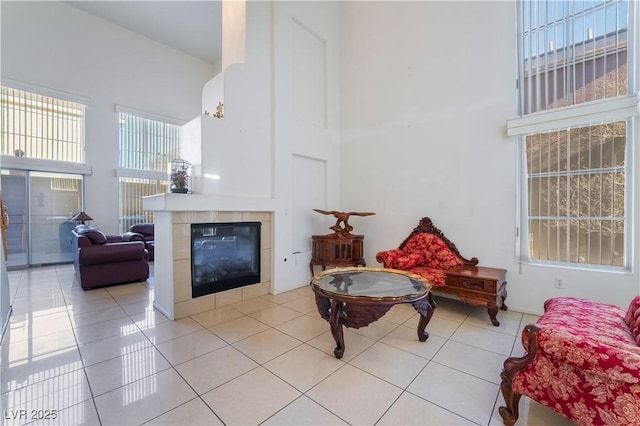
(194, 27)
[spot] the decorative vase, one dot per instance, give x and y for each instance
(180, 176)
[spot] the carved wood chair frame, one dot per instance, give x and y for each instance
(426, 226)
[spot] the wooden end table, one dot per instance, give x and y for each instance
(357, 296)
(336, 250)
(479, 286)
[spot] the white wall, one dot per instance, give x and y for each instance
(57, 46)
(238, 147)
(426, 90)
(306, 118)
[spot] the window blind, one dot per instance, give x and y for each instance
(147, 144)
(42, 127)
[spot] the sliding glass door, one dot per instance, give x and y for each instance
(14, 196)
(39, 206)
(53, 199)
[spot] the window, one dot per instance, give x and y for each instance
(147, 146)
(42, 147)
(131, 192)
(38, 126)
(578, 121)
(576, 186)
(572, 52)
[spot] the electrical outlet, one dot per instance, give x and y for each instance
(559, 282)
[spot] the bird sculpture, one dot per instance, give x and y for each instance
(342, 227)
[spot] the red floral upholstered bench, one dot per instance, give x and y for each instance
(428, 253)
(582, 360)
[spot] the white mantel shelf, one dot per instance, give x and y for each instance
(206, 202)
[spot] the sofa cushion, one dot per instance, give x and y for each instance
(145, 229)
(419, 243)
(398, 259)
(591, 335)
(408, 261)
(95, 236)
(112, 253)
(435, 252)
(437, 277)
(632, 318)
(588, 319)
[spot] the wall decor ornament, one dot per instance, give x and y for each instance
(219, 113)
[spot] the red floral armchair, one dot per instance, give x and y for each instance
(582, 360)
(426, 252)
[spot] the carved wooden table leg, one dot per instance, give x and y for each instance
(342, 309)
(492, 309)
(498, 302)
(425, 308)
(335, 320)
(503, 296)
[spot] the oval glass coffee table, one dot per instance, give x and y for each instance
(355, 297)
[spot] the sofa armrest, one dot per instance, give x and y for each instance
(133, 236)
(388, 257)
(80, 240)
(614, 359)
(110, 253)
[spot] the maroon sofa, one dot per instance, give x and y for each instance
(142, 232)
(101, 260)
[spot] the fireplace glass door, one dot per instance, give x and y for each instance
(224, 256)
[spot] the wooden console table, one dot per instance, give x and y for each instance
(478, 286)
(335, 250)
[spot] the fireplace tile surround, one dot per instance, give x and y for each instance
(184, 304)
(172, 280)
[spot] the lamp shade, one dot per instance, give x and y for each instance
(81, 217)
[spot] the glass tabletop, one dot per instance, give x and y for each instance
(374, 283)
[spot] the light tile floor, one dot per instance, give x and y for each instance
(106, 357)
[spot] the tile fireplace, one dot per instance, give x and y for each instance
(174, 215)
